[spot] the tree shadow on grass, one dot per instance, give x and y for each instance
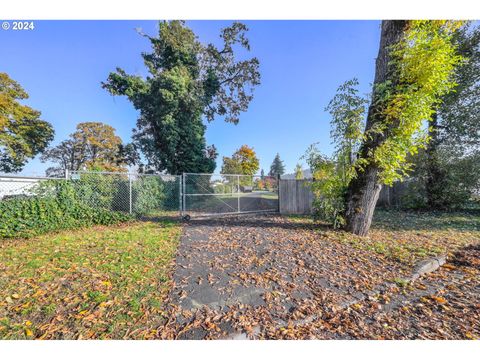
(167, 216)
(386, 220)
(392, 220)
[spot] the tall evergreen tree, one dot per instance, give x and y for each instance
(187, 80)
(277, 168)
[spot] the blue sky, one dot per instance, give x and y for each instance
(61, 65)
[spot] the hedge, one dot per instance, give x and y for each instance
(55, 207)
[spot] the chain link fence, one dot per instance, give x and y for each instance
(156, 195)
(139, 194)
(223, 194)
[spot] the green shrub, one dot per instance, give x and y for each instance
(148, 194)
(100, 190)
(54, 206)
(331, 178)
(153, 193)
(329, 191)
(226, 188)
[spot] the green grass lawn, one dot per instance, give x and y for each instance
(267, 195)
(256, 194)
(102, 282)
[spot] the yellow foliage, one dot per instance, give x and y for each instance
(424, 62)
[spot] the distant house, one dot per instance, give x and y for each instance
(307, 174)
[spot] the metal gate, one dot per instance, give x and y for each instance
(205, 195)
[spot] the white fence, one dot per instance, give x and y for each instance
(16, 186)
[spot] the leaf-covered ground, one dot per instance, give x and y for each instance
(266, 277)
(278, 277)
(103, 282)
(441, 305)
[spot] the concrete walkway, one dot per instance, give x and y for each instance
(240, 272)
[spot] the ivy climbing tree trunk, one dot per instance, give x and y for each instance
(363, 191)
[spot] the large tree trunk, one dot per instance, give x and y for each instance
(363, 191)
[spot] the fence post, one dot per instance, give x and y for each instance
(184, 190)
(179, 177)
(66, 173)
(130, 190)
(238, 193)
(278, 192)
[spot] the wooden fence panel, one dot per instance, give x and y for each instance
(295, 196)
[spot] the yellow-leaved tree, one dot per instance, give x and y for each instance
(414, 70)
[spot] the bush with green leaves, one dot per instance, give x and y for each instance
(457, 180)
(148, 194)
(220, 188)
(54, 206)
(333, 174)
(154, 193)
(101, 190)
(329, 187)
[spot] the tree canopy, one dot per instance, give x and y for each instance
(22, 133)
(187, 80)
(420, 74)
(93, 145)
(459, 111)
(447, 167)
(243, 161)
(298, 172)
